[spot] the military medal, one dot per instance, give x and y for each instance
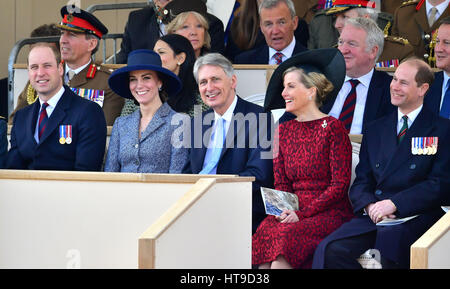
(62, 137)
(425, 145)
(420, 143)
(414, 149)
(69, 134)
(431, 150)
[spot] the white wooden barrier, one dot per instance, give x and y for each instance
(51, 219)
(431, 250)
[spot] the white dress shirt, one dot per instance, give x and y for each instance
(287, 52)
(411, 118)
(440, 9)
(52, 102)
(78, 70)
(361, 96)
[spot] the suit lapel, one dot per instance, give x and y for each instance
(157, 121)
(401, 153)
(433, 97)
(80, 78)
(32, 119)
(233, 130)
(373, 100)
(58, 114)
(422, 20)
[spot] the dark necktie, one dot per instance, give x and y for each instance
(404, 129)
(43, 118)
(348, 108)
(278, 57)
(445, 108)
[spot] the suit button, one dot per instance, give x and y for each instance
(377, 165)
(412, 166)
(378, 192)
(136, 162)
(136, 146)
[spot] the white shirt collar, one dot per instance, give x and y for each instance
(365, 79)
(53, 101)
(228, 115)
(441, 8)
(287, 51)
(78, 69)
(411, 116)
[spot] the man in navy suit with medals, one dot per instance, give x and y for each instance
(403, 172)
(60, 131)
(234, 136)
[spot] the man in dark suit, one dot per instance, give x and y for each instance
(438, 97)
(235, 134)
(364, 96)
(402, 172)
(145, 26)
(61, 131)
(278, 23)
(371, 86)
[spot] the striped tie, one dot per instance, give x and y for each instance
(42, 119)
(348, 108)
(278, 57)
(404, 129)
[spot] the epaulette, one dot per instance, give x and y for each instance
(31, 94)
(397, 39)
(409, 2)
(91, 71)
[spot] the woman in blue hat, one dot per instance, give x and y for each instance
(143, 142)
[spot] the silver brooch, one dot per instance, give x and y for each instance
(324, 124)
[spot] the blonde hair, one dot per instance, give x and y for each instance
(313, 79)
(178, 22)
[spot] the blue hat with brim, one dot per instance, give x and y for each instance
(143, 59)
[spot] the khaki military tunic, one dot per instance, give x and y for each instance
(305, 9)
(413, 25)
(396, 48)
(89, 78)
(389, 6)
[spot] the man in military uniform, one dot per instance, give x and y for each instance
(80, 38)
(417, 21)
(395, 48)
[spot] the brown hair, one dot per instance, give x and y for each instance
(55, 50)
(424, 73)
(313, 79)
(245, 26)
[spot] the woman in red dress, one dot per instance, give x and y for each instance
(314, 162)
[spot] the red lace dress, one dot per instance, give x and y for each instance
(314, 162)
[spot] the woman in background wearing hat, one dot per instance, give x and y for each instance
(313, 162)
(142, 142)
(178, 56)
(194, 27)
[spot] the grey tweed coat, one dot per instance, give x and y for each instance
(153, 153)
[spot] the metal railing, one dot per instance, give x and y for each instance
(21, 43)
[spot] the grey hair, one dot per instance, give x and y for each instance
(214, 59)
(371, 13)
(375, 36)
(269, 4)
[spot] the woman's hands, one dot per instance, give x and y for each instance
(287, 216)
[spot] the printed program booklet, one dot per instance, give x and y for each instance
(275, 202)
(393, 222)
